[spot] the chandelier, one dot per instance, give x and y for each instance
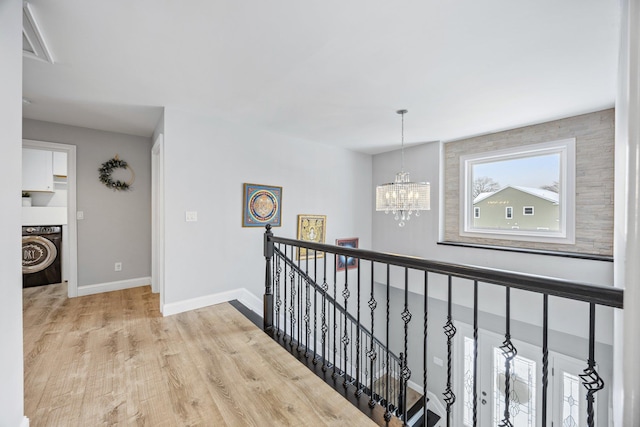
(402, 197)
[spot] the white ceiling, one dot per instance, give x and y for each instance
(330, 71)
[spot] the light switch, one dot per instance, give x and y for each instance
(80, 215)
(191, 216)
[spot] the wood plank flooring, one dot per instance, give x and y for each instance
(112, 359)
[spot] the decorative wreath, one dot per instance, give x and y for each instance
(107, 169)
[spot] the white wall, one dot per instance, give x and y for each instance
(206, 163)
(11, 381)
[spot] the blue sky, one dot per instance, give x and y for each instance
(525, 172)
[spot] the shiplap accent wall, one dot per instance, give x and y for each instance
(594, 135)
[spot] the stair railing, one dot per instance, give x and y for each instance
(316, 301)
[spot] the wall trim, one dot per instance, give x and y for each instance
(25, 422)
(113, 286)
(246, 297)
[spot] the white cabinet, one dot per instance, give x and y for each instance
(59, 163)
(37, 170)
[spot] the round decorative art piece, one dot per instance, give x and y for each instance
(263, 205)
(106, 171)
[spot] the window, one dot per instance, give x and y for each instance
(537, 180)
(508, 212)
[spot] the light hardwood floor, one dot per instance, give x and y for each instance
(112, 359)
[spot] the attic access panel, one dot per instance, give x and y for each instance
(33, 42)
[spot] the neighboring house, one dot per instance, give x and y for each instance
(513, 207)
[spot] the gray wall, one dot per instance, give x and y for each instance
(117, 224)
(11, 363)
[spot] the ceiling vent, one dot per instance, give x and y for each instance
(33, 44)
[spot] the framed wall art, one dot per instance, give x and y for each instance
(346, 262)
(311, 228)
(262, 205)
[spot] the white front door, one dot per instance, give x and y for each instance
(566, 403)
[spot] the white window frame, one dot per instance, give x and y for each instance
(566, 148)
(524, 210)
(508, 212)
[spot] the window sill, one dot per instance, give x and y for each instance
(592, 257)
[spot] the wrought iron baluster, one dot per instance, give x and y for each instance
(358, 332)
(545, 356)
(325, 328)
(351, 366)
(299, 307)
(372, 350)
(590, 378)
(335, 324)
(341, 317)
(284, 297)
(277, 261)
(449, 331)
(405, 372)
(345, 336)
(315, 309)
(307, 308)
(475, 353)
(509, 352)
(425, 344)
(387, 412)
(400, 403)
(292, 306)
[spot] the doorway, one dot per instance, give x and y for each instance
(566, 398)
(71, 242)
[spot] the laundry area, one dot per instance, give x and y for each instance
(44, 217)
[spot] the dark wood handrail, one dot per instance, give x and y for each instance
(602, 295)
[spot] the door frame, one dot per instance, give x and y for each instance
(72, 225)
(157, 218)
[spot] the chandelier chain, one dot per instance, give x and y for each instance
(402, 113)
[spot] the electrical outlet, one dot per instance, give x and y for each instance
(118, 266)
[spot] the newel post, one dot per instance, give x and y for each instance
(268, 291)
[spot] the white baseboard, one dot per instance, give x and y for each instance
(113, 286)
(252, 302)
(247, 298)
(25, 422)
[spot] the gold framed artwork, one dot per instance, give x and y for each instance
(311, 228)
